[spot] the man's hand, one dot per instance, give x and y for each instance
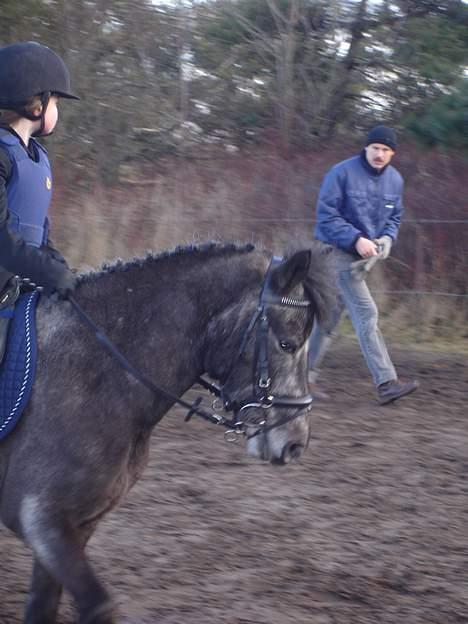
(366, 248)
(384, 244)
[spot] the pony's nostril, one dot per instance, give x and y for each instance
(291, 452)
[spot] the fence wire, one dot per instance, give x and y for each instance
(431, 293)
(311, 220)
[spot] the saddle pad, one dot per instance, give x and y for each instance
(18, 369)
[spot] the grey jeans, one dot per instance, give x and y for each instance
(355, 297)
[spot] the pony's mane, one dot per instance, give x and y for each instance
(319, 282)
(214, 248)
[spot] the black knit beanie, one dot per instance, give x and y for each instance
(383, 135)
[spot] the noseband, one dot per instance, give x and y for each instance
(261, 395)
(261, 398)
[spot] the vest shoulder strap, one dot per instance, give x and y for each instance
(39, 146)
(7, 138)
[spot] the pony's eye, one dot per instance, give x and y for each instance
(289, 347)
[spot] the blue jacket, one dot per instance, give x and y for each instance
(24, 248)
(357, 200)
(29, 190)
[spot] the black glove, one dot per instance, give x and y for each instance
(62, 284)
(66, 284)
(54, 253)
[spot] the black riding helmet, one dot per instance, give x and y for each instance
(28, 69)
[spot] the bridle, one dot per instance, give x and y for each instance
(261, 397)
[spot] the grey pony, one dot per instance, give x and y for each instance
(83, 439)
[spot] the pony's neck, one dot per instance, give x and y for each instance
(156, 311)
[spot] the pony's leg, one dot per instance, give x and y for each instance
(67, 563)
(60, 550)
(45, 593)
(44, 597)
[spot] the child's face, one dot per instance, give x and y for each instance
(51, 115)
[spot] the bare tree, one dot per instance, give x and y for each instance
(344, 71)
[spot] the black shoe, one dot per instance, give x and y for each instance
(395, 389)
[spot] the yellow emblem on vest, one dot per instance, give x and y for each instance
(48, 183)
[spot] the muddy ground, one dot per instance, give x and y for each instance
(370, 528)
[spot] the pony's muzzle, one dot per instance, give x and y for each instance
(291, 452)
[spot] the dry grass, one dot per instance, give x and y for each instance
(262, 198)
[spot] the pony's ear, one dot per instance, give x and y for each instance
(291, 272)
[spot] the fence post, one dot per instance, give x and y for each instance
(419, 282)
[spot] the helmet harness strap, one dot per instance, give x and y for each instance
(24, 112)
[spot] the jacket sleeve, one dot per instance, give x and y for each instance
(16, 256)
(330, 222)
(393, 223)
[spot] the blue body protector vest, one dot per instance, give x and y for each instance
(29, 190)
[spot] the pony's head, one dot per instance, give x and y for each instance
(257, 349)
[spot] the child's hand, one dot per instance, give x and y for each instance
(66, 284)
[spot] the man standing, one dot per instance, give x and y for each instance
(358, 212)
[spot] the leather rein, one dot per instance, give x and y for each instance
(261, 397)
